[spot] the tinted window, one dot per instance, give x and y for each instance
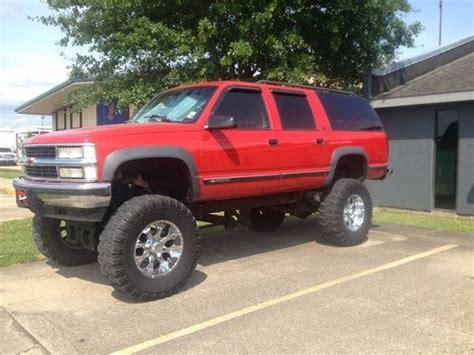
(294, 110)
(246, 106)
(349, 113)
(5, 150)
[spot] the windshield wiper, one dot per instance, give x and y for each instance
(158, 118)
(371, 128)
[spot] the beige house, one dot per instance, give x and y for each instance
(63, 116)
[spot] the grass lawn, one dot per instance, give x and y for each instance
(451, 224)
(16, 245)
(9, 173)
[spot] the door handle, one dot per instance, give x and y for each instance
(319, 140)
(273, 141)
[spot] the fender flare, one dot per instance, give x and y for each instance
(338, 154)
(115, 159)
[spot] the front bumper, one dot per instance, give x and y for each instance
(73, 201)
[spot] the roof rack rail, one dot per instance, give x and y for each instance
(311, 87)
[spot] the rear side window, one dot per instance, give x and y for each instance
(294, 111)
(349, 113)
(247, 108)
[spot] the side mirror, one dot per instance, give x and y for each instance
(221, 122)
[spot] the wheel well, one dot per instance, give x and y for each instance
(351, 166)
(164, 176)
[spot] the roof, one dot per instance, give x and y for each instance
(51, 100)
(444, 75)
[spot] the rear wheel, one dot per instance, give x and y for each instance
(265, 219)
(148, 249)
(345, 215)
(59, 241)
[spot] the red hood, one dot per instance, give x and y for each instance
(97, 134)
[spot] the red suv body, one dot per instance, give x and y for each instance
(214, 146)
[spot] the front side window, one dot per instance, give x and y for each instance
(246, 106)
(177, 106)
(294, 111)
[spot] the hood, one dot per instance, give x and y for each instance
(99, 133)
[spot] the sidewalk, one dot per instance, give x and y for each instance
(9, 210)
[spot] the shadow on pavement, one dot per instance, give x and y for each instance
(240, 242)
(218, 247)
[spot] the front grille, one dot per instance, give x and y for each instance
(49, 172)
(40, 152)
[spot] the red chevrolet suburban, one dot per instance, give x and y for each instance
(234, 153)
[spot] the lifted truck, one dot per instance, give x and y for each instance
(129, 195)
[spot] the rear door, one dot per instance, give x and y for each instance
(241, 161)
(303, 160)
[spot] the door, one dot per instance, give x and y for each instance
(241, 161)
(446, 159)
(302, 147)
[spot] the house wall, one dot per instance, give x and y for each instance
(465, 191)
(411, 132)
(66, 118)
(89, 116)
(411, 139)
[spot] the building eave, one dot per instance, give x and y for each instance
(39, 105)
(423, 99)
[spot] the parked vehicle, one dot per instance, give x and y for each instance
(7, 156)
(131, 193)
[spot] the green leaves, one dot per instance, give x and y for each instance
(139, 47)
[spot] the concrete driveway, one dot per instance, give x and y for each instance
(9, 209)
(405, 290)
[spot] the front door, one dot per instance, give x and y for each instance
(242, 161)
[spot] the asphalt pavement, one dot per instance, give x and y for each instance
(405, 290)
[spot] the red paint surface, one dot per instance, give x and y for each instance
(234, 152)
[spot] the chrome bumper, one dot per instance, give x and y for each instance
(67, 195)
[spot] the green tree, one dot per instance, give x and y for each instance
(139, 47)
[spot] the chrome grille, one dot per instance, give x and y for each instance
(40, 152)
(47, 172)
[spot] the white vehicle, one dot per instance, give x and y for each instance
(7, 156)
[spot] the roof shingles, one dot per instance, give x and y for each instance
(456, 76)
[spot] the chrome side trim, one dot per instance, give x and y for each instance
(230, 179)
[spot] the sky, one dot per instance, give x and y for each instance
(31, 63)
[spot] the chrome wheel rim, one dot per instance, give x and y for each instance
(158, 248)
(354, 213)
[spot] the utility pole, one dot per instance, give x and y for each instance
(440, 20)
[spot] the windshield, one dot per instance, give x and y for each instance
(180, 106)
(5, 150)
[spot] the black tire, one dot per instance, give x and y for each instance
(265, 219)
(48, 239)
(331, 214)
(117, 246)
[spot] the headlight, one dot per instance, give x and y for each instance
(71, 173)
(70, 153)
(87, 173)
(81, 152)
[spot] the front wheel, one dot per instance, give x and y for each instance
(149, 247)
(345, 215)
(59, 241)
